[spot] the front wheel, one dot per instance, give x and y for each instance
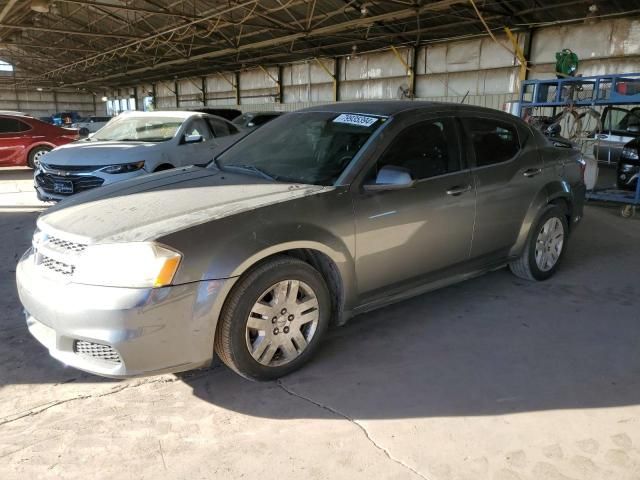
(35, 155)
(274, 319)
(544, 248)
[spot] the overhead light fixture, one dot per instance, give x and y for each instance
(39, 89)
(364, 10)
(40, 6)
(104, 99)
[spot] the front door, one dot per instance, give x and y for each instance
(13, 140)
(404, 235)
(196, 153)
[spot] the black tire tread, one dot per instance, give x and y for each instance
(32, 153)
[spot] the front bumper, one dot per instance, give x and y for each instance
(44, 181)
(121, 332)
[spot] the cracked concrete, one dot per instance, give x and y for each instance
(494, 379)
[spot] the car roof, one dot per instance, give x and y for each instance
(394, 107)
(162, 113)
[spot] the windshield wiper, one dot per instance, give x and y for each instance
(250, 168)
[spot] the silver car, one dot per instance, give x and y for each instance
(316, 217)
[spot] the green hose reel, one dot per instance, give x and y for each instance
(566, 63)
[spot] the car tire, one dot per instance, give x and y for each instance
(294, 312)
(545, 246)
(33, 160)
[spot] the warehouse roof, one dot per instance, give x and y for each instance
(121, 42)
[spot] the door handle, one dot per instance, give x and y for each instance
(458, 190)
(532, 172)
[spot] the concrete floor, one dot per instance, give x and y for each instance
(495, 378)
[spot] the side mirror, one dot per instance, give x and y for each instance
(192, 138)
(391, 178)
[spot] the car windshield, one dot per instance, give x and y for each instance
(305, 147)
(139, 129)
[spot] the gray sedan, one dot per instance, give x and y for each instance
(316, 217)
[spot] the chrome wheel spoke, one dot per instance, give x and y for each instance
(280, 293)
(288, 349)
(300, 341)
(258, 323)
(268, 354)
(260, 346)
(263, 310)
(292, 295)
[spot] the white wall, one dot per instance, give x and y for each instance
(485, 71)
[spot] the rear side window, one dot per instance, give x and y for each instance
(13, 125)
(494, 141)
(220, 128)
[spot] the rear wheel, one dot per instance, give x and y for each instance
(35, 155)
(544, 248)
(274, 319)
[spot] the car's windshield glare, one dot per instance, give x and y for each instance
(139, 129)
(309, 147)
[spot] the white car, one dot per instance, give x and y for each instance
(131, 145)
(88, 125)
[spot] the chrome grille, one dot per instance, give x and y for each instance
(66, 245)
(56, 266)
(97, 351)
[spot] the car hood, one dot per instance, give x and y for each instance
(156, 205)
(101, 153)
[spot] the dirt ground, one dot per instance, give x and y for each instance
(495, 378)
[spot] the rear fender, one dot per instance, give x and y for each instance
(551, 192)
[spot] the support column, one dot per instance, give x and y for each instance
(175, 85)
(204, 91)
(237, 87)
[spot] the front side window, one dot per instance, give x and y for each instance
(304, 147)
(622, 120)
(494, 141)
(426, 149)
(220, 128)
(198, 126)
(139, 129)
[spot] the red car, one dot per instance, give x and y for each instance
(24, 140)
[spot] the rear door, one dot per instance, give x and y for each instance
(403, 237)
(14, 140)
(507, 170)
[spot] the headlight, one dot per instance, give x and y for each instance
(136, 265)
(123, 168)
(630, 153)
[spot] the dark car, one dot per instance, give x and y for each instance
(317, 216)
(226, 113)
(619, 126)
(25, 140)
(628, 169)
(249, 120)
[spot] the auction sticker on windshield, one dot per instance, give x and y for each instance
(359, 120)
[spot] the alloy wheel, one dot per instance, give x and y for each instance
(282, 322)
(549, 244)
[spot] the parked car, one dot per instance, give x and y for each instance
(250, 120)
(64, 118)
(226, 113)
(619, 126)
(133, 144)
(89, 125)
(317, 216)
(25, 140)
(628, 169)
